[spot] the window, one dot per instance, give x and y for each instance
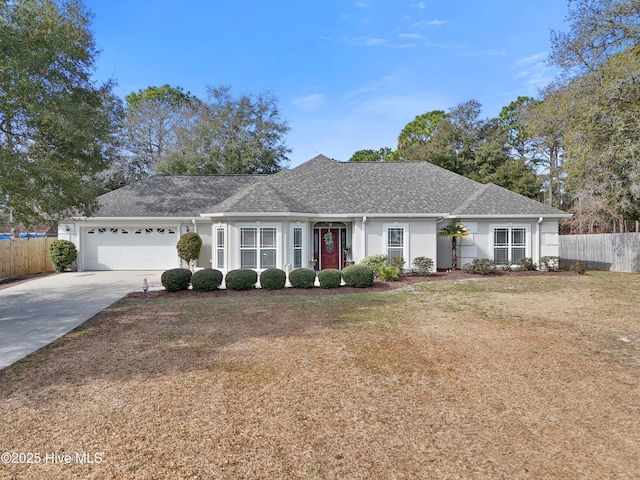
(220, 242)
(258, 247)
(509, 244)
(297, 247)
(396, 240)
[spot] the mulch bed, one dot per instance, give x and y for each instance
(378, 286)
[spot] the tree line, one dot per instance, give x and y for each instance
(575, 147)
(65, 138)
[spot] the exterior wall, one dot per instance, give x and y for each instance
(365, 237)
(541, 240)
(204, 230)
(421, 238)
(284, 253)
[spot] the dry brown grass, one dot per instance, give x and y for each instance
(514, 378)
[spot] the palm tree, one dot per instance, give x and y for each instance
(453, 231)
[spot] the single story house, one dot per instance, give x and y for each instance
(321, 214)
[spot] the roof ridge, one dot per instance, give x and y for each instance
(473, 197)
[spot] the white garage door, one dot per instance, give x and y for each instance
(130, 248)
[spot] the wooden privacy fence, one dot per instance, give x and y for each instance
(25, 256)
(618, 252)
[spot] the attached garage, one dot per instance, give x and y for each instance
(129, 248)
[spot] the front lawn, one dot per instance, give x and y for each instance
(516, 378)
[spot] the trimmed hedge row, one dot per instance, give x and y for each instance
(209, 279)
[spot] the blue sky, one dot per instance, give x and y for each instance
(349, 75)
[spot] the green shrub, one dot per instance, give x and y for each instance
(550, 264)
(396, 262)
(302, 278)
(241, 279)
(62, 253)
(422, 266)
(206, 280)
(176, 279)
(480, 266)
(273, 279)
(189, 247)
(329, 278)
(526, 264)
(358, 276)
(375, 262)
(389, 274)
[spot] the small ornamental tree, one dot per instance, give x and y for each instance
(189, 247)
(454, 231)
(62, 253)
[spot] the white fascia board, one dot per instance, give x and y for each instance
(400, 215)
(256, 214)
(325, 215)
(132, 219)
(506, 215)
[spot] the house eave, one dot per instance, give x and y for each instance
(325, 215)
(516, 216)
(131, 219)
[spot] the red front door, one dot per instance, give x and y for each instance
(329, 248)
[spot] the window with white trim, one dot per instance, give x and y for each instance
(297, 247)
(258, 247)
(220, 246)
(509, 244)
(396, 240)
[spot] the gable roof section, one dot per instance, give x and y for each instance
(321, 186)
(325, 186)
(495, 200)
(171, 195)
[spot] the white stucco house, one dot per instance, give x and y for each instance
(320, 215)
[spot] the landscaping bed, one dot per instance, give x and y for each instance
(378, 286)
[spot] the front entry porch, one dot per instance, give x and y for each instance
(330, 245)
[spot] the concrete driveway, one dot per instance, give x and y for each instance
(36, 312)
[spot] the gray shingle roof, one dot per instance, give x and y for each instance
(171, 195)
(322, 186)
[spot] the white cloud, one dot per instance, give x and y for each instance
(534, 73)
(361, 4)
(313, 101)
(532, 59)
(437, 23)
(365, 41)
(419, 5)
(412, 36)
